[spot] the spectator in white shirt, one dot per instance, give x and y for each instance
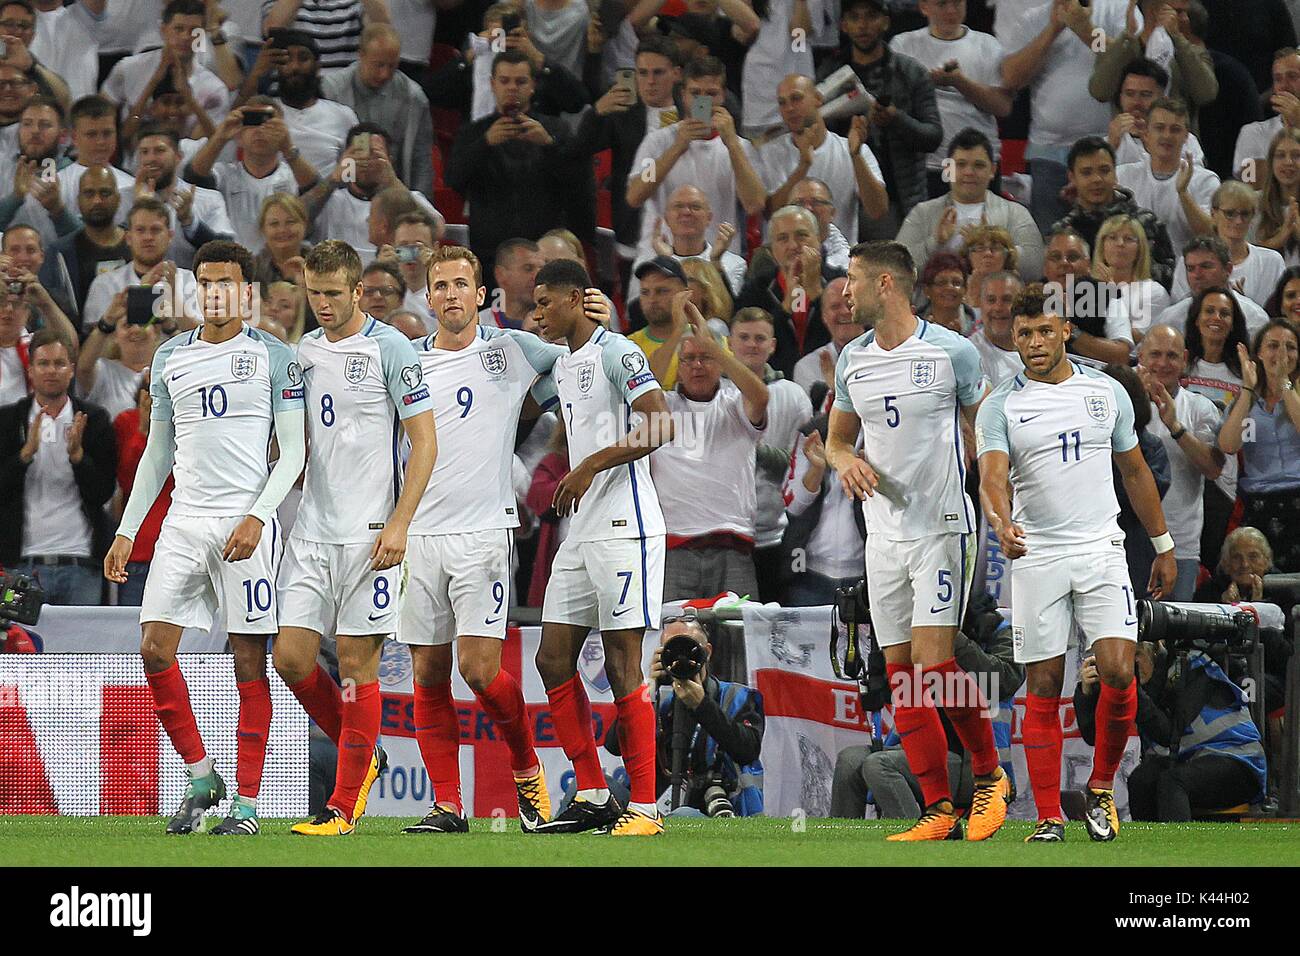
(14, 352)
(62, 42)
(1177, 191)
(808, 148)
(1255, 269)
(706, 475)
(1143, 82)
(268, 163)
(1122, 260)
(999, 359)
(182, 21)
(148, 236)
(966, 67)
(773, 54)
(319, 127)
(753, 340)
(22, 262)
(113, 382)
(1285, 300)
(838, 317)
(18, 28)
(1187, 424)
(815, 196)
(1209, 266)
(198, 215)
(687, 219)
(415, 236)
(1248, 159)
(94, 139)
(1278, 225)
(708, 155)
(29, 177)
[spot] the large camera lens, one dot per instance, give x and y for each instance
(1179, 624)
(683, 657)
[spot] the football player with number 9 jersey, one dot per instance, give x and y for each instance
(462, 537)
(343, 572)
(1049, 436)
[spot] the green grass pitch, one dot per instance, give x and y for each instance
(378, 841)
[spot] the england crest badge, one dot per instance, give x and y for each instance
(1098, 407)
(243, 366)
(355, 368)
(923, 372)
(586, 376)
(494, 361)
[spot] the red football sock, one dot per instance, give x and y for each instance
(1116, 710)
(636, 726)
(571, 714)
(1042, 735)
(963, 702)
(503, 701)
(323, 701)
(358, 734)
(437, 732)
(254, 726)
(924, 741)
(171, 702)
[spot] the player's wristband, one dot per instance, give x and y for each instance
(1163, 543)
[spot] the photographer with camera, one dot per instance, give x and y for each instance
(983, 648)
(1200, 747)
(716, 725)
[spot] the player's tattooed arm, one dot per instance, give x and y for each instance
(1145, 498)
(995, 498)
(390, 545)
(857, 477)
(654, 429)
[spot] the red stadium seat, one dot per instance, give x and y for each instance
(1013, 156)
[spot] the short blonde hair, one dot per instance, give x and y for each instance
(289, 203)
(716, 296)
(1142, 267)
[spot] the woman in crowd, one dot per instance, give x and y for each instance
(284, 312)
(709, 294)
(1244, 560)
(1278, 223)
(283, 224)
(1122, 257)
(1285, 300)
(943, 280)
(110, 367)
(1216, 326)
(1270, 473)
(1255, 269)
(986, 250)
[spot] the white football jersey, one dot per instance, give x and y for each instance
(909, 400)
(596, 386)
(1060, 439)
(222, 399)
(356, 390)
(477, 393)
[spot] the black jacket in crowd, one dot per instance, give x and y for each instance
(761, 289)
(1088, 224)
(96, 475)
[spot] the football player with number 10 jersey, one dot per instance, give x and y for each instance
(1049, 436)
(343, 571)
(461, 537)
(216, 392)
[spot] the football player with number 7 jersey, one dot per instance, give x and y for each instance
(1049, 436)
(216, 392)
(906, 386)
(343, 571)
(461, 538)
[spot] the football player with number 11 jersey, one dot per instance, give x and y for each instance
(1050, 435)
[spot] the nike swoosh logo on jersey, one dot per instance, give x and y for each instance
(624, 611)
(1130, 623)
(492, 621)
(374, 617)
(940, 609)
(254, 620)
(179, 375)
(860, 373)
(1029, 418)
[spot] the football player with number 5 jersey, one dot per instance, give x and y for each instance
(461, 538)
(906, 386)
(343, 571)
(609, 572)
(1049, 436)
(216, 392)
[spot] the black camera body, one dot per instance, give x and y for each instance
(1188, 628)
(21, 599)
(853, 609)
(683, 658)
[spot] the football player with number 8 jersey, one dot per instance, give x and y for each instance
(609, 572)
(906, 386)
(216, 392)
(461, 539)
(1050, 435)
(343, 571)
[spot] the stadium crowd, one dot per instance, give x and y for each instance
(1140, 156)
